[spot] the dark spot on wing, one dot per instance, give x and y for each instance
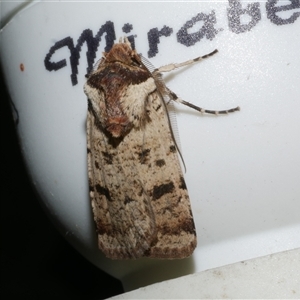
(107, 157)
(185, 225)
(103, 191)
(172, 148)
(147, 252)
(160, 162)
(140, 193)
(102, 227)
(160, 190)
(182, 184)
(144, 156)
(189, 226)
(91, 185)
(158, 107)
(128, 200)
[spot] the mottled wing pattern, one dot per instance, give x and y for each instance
(122, 210)
(139, 197)
(176, 235)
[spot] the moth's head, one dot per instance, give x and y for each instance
(122, 52)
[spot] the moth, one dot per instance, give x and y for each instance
(138, 194)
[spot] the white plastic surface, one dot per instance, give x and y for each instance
(276, 276)
(243, 169)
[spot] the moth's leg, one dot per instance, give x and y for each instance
(172, 67)
(175, 98)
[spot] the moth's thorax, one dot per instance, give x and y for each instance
(118, 125)
(125, 84)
